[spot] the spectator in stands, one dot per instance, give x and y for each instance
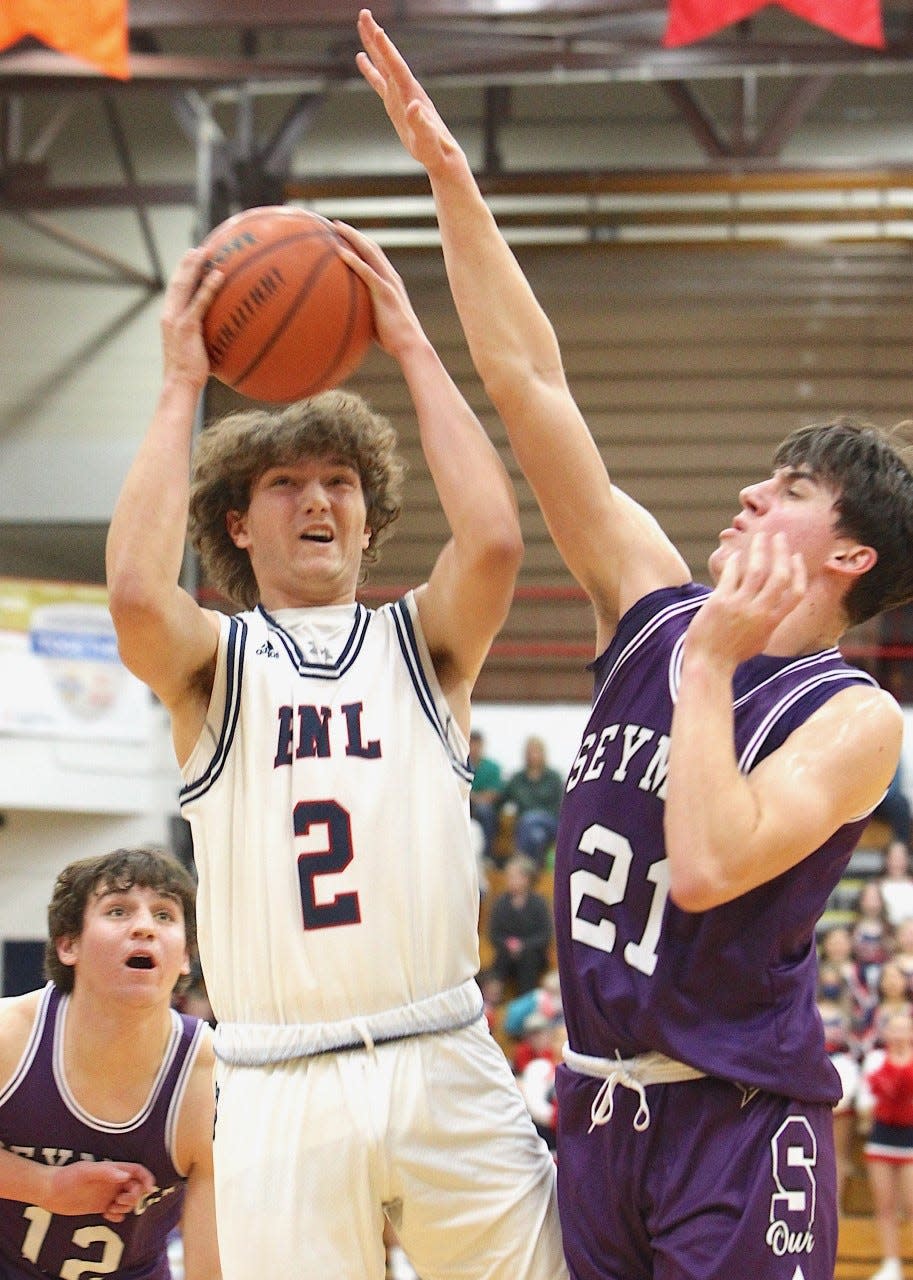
(492, 989)
(544, 999)
(535, 1041)
(873, 939)
(893, 997)
(520, 928)
(836, 1007)
(533, 795)
(885, 1106)
(896, 882)
(537, 1084)
(835, 947)
(903, 951)
(485, 793)
(895, 808)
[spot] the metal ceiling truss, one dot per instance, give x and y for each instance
(209, 56)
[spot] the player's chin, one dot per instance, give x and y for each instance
(716, 560)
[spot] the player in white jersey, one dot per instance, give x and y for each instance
(323, 748)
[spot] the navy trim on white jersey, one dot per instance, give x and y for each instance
(410, 650)
(322, 670)
(234, 662)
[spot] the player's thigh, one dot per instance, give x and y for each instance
(476, 1181)
(749, 1183)
(294, 1173)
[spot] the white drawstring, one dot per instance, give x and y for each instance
(361, 1026)
(604, 1102)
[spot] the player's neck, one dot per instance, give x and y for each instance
(814, 625)
(111, 1058)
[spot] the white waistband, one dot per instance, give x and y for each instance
(647, 1068)
(631, 1073)
(258, 1044)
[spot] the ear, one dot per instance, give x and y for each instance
(236, 524)
(67, 950)
(366, 538)
(185, 967)
(853, 559)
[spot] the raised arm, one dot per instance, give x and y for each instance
(469, 591)
(612, 546)
(164, 637)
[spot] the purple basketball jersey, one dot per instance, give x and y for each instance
(730, 991)
(41, 1119)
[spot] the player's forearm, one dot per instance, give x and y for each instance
(471, 481)
(711, 811)
(24, 1180)
(508, 333)
(146, 538)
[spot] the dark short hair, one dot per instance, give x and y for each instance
(147, 866)
(872, 483)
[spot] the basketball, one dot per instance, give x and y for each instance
(291, 318)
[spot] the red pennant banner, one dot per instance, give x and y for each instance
(93, 30)
(859, 21)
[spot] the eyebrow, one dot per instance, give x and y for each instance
(792, 474)
(112, 891)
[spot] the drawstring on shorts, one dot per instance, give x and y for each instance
(604, 1102)
(631, 1073)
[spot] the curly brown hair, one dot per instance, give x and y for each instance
(232, 454)
(146, 865)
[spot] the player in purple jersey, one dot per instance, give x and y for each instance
(106, 1096)
(727, 769)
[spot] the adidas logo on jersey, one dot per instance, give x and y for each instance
(268, 650)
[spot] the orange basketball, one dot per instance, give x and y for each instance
(291, 318)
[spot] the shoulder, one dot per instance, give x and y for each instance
(17, 1017)
(870, 715)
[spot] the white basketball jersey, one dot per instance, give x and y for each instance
(328, 801)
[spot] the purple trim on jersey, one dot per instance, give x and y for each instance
(323, 670)
(40, 1119)
(234, 660)
(730, 991)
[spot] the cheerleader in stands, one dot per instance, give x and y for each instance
(873, 938)
(836, 1007)
(885, 1106)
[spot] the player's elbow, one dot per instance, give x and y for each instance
(504, 549)
(130, 597)
(697, 886)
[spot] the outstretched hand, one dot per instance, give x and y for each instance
(412, 113)
(758, 588)
(106, 1187)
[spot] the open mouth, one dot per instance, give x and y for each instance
(316, 537)
(140, 962)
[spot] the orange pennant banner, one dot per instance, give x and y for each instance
(858, 21)
(93, 30)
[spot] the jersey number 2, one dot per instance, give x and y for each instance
(330, 859)
(609, 890)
